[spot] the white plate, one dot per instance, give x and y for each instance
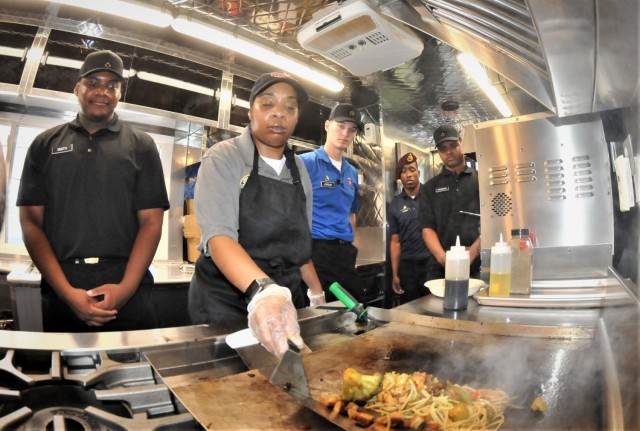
(437, 286)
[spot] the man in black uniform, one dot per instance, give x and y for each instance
(408, 251)
(92, 198)
(448, 198)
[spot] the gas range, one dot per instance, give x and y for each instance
(41, 390)
(100, 381)
(108, 381)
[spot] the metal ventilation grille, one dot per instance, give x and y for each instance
(377, 38)
(341, 53)
(526, 172)
(504, 24)
(501, 204)
(498, 175)
(555, 179)
(582, 177)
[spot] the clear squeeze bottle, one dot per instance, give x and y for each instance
(522, 261)
(456, 277)
(500, 273)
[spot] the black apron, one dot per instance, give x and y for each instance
(274, 231)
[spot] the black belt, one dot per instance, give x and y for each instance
(95, 260)
(333, 241)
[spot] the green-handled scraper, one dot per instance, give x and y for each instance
(353, 305)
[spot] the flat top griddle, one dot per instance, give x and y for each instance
(565, 371)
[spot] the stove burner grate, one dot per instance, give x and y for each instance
(85, 391)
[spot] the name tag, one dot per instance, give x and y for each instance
(62, 149)
(442, 189)
(328, 184)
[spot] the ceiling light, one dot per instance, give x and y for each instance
(477, 72)
(205, 32)
(12, 52)
(71, 64)
(64, 62)
(147, 14)
(236, 101)
(165, 80)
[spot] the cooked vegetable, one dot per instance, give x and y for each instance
(459, 412)
(418, 401)
(359, 387)
(460, 393)
(539, 405)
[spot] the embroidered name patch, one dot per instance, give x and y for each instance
(62, 149)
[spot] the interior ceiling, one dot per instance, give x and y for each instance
(410, 95)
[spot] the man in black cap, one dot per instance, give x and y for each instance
(335, 203)
(92, 198)
(253, 205)
(448, 198)
(407, 250)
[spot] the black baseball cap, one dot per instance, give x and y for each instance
(268, 79)
(346, 112)
(446, 132)
(102, 61)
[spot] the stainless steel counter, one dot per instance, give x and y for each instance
(171, 280)
(196, 358)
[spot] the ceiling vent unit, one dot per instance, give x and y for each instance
(356, 37)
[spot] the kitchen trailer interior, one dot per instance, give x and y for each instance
(569, 72)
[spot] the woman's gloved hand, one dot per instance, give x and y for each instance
(273, 319)
(316, 299)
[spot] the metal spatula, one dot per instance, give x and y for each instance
(251, 351)
(290, 376)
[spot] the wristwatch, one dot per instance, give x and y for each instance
(257, 286)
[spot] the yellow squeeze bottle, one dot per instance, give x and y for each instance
(500, 272)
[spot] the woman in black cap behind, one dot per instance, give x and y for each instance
(253, 205)
(407, 251)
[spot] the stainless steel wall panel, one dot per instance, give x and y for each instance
(552, 176)
(617, 83)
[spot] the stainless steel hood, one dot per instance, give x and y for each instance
(572, 56)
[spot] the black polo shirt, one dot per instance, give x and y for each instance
(444, 196)
(92, 187)
(403, 221)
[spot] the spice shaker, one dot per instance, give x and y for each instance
(456, 277)
(500, 272)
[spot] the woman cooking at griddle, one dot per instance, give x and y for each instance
(253, 204)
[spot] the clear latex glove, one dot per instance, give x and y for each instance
(273, 319)
(315, 300)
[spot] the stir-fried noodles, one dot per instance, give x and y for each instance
(417, 401)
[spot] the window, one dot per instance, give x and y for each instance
(24, 136)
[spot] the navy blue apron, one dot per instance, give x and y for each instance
(274, 230)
